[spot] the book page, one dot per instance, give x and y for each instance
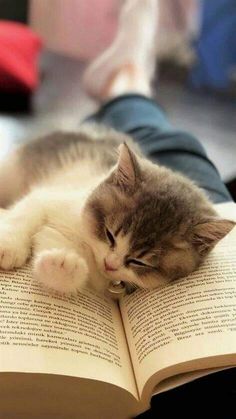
(80, 336)
(191, 321)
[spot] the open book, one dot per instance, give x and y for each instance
(90, 357)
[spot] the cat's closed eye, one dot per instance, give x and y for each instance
(140, 263)
(110, 238)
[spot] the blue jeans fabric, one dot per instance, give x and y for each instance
(147, 124)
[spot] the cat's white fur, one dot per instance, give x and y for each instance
(49, 220)
(51, 223)
(55, 222)
(11, 181)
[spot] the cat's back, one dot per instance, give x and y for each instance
(61, 159)
(59, 153)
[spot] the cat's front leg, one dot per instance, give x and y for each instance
(57, 263)
(17, 227)
(14, 246)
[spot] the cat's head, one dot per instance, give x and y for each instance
(147, 225)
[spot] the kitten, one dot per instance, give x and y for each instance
(89, 218)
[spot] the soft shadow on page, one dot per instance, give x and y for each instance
(187, 326)
(79, 336)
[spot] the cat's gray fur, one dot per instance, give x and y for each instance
(148, 223)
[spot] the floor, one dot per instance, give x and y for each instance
(61, 103)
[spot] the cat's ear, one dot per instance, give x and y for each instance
(128, 170)
(209, 232)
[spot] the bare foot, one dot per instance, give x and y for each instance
(129, 63)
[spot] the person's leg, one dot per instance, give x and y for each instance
(125, 87)
(146, 122)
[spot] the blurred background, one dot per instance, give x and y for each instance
(46, 45)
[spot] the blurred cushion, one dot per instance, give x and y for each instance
(19, 48)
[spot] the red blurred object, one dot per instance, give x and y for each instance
(19, 49)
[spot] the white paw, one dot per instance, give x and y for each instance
(61, 270)
(13, 251)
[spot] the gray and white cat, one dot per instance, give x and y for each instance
(89, 217)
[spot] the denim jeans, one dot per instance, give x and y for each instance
(147, 124)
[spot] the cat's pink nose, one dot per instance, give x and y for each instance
(109, 266)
